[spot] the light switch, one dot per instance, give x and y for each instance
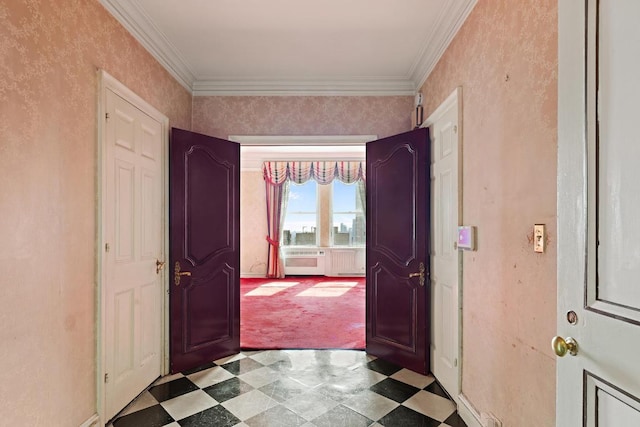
(538, 238)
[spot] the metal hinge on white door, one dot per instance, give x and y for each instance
(106, 247)
(106, 377)
(106, 116)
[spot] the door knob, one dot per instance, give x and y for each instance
(419, 274)
(561, 346)
(177, 274)
(159, 266)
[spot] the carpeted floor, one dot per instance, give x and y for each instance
(302, 312)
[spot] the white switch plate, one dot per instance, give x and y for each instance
(539, 238)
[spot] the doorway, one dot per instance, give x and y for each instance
(446, 262)
(320, 261)
(132, 244)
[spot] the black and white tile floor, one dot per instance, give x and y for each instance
(307, 388)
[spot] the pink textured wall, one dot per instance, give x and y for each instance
(505, 59)
(49, 53)
(221, 116)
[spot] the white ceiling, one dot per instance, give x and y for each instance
(295, 47)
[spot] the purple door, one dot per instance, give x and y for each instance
(204, 207)
(397, 249)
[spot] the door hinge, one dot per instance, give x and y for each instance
(455, 362)
(106, 247)
(106, 377)
(106, 116)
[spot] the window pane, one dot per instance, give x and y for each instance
(299, 229)
(344, 197)
(303, 197)
(301, 219)
(348, 221)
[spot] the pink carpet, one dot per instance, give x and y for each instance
(302, 312)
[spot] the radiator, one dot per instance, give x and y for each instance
(346, 262)
(301, 262)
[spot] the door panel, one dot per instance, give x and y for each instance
(618, 152)
(445, 258)
(397, 232)
(134, 231)
(205, 213)
(598, 187)
(203, 240)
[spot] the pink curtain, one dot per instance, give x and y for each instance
(323, 172)
(277, 195)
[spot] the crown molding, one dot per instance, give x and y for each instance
(137, 22)
(352, 87)
(443, 32)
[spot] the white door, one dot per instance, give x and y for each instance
(598, 213)
(133, 224)
(445, 260)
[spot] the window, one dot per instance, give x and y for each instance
(301, 216)
(348, 215)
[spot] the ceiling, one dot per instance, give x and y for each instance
(295, 47)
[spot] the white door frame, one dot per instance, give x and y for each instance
(108, 83)
(453, 100)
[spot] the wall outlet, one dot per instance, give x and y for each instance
(487, 419)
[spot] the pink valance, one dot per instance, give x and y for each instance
(323, 172)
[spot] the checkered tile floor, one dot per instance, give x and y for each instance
(285, 388)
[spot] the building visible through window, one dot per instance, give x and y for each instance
(348, 214)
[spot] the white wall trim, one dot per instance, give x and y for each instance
(94, 420)
(454, 97)
(302, 139)
(447, 26)
(133, 18)
(264, 87)
(468, 412)
(253, 275)
(108, 83)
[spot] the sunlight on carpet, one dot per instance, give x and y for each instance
(270, 288)
(328, 289)
(302, 312)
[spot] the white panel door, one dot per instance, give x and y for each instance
(445, 259)
(133, 230)
(598, 211)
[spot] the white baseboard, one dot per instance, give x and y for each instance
(467, 412)
(253, 276)
(92, 421)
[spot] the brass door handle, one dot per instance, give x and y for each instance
(419, 274)
(159, 266)
(177, 274)
(561, 346)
